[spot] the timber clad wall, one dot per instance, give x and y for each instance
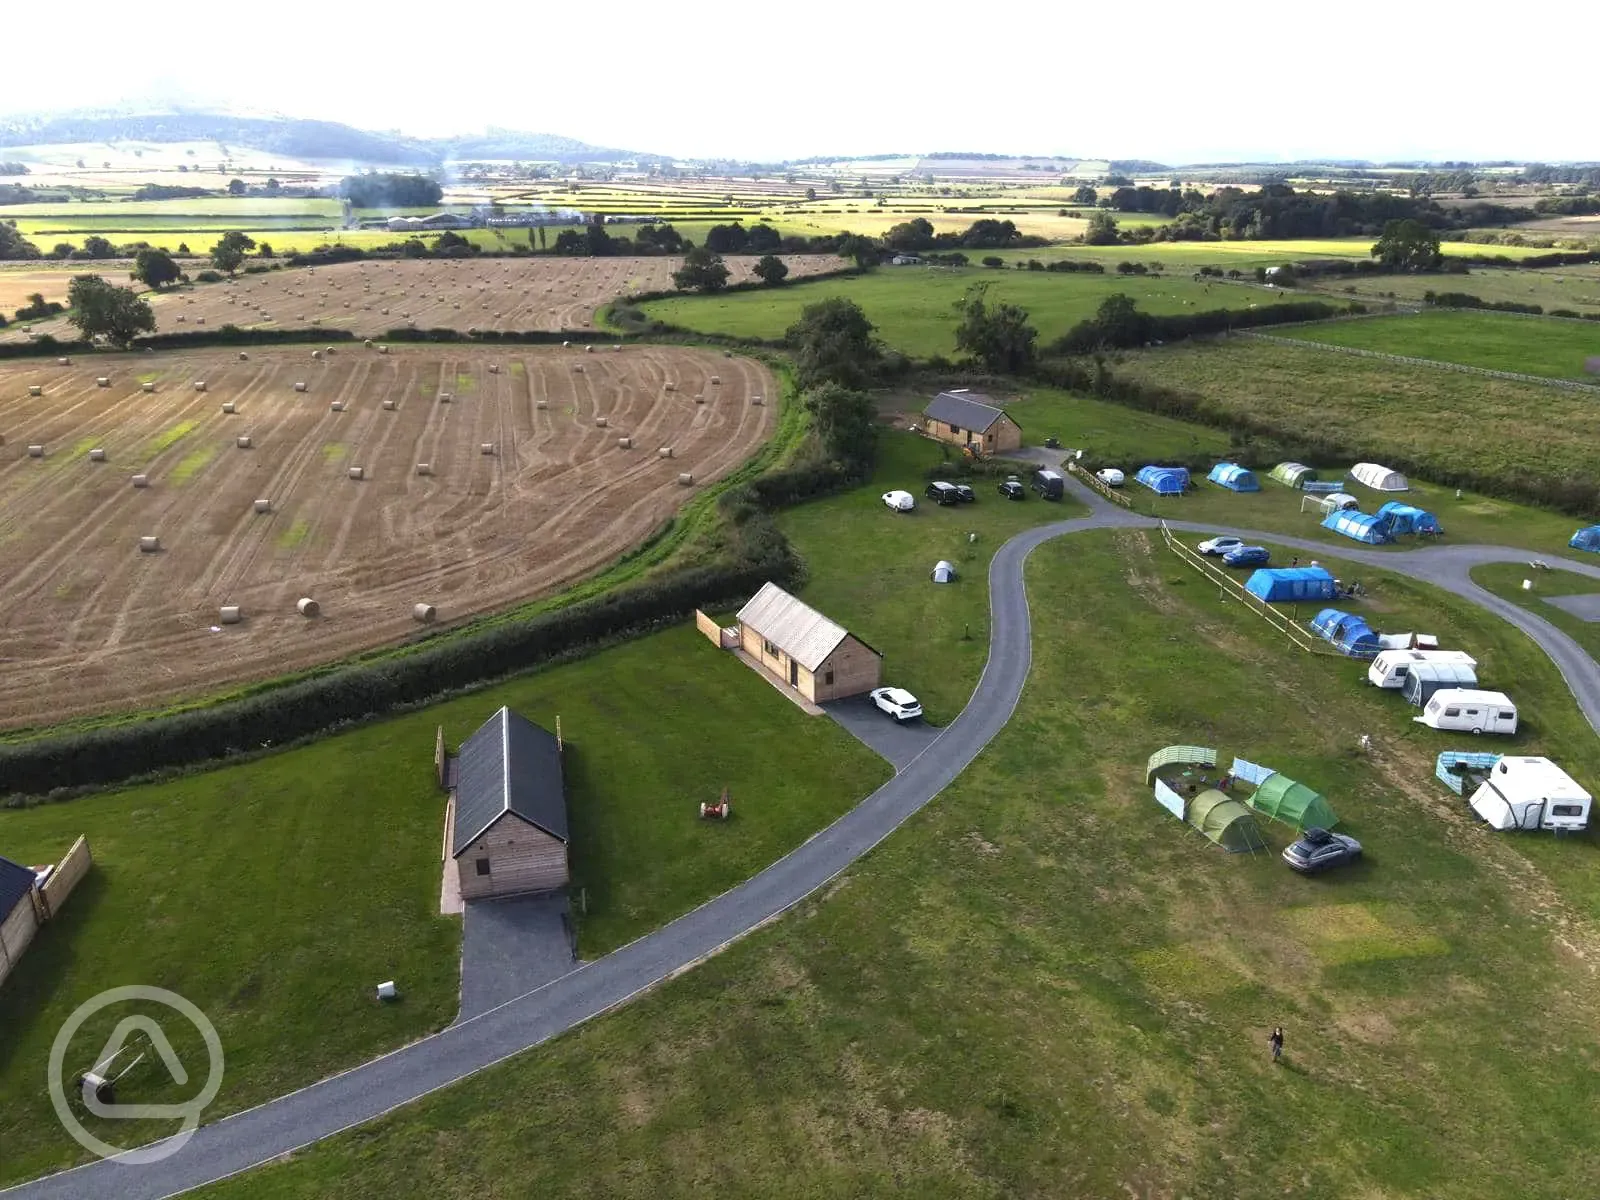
(1003, 435)
(68, 872)
(708, 627)
(16, 931)
(755, 645)
(855, 668)
(521, 858)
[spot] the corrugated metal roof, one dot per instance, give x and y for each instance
(508, 765)
(16, 881)
(796, 628)
(965, 410)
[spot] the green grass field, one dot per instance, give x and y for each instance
(1494, 341)
(1505, 581)
(1046, 986)
(1445, 420)
(1575, 288)
(914, 307)
(275, 894)
(1246, 255)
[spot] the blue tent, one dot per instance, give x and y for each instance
(1408, 518)
(1290, 583)
(1586, 539)
(1233, 477)
(1164, 481)
(1363, 527)
(1348, 631)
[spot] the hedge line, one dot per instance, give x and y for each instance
(1088, 336)
(222, 335)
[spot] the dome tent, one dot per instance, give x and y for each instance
(1587, 539)
(1363, 527)
(1164, 481)
(1379, 478)
(1292, 474)
(944, 572)
(1234, 477)
(1336, 501)
(1408, 518)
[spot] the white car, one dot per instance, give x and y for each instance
(1220, 545)
(900, 501)
(1110, 476)
(897, 702)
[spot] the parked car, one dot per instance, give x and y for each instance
(897, 702)
(965, 494)
(900, 501)
(1110, 476)
(1011, 488)
(1049, 483)
(941, 492)
(1220, 545)
(1246, 556)
(1318, 849)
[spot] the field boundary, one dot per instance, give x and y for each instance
(1094, 481)
(1441, 364)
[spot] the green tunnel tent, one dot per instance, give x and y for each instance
(1225, 821)
(1183, 756)
(1292, 474)
(1282, 799)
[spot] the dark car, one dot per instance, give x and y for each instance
(1318, 849)
(941, 492)
(1246, 556)
(1012, 489)
(965, 494)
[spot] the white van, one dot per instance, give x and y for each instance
(1390, 668)
(1465, 708)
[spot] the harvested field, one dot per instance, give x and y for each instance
(18, 283)
(459, 293)
(92, 624)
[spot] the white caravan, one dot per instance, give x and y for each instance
(1467, 709)
(1531, 793)
(1390, 668)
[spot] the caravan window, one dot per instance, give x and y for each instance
(1452, 712)
(1401, 672)
(1472, 712)
(1566, 810)
(1507, 716)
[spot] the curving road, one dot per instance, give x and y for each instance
(290, 1122)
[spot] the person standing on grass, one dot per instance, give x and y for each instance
(1276, 1042)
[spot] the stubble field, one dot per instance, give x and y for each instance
(94, 624)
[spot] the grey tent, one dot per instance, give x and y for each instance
(944, 572)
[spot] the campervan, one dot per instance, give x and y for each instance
(1425, 678)
(1464, 708)
(1531, 793)
(1389, 669)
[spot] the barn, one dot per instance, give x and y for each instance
(509, 810)
(18, 915)
(971, 419)
(818, 658)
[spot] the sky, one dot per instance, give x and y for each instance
(1174, 82)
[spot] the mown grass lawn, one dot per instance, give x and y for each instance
(1495, 341)
(914, 307)
(1577, 288)
(1505, 581)
(277, 894)
(1047, 986)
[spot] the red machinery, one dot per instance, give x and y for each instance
(721, 810)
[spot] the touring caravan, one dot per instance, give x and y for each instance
(1389, 669)
(1531, 793)
(1465, 708)
(1425, 678)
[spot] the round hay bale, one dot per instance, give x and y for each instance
(625, 443)
(97, 455)
(308, 607)
(327, 350)
(63, 362)
(423, 613)
(199, 320)
(599, 422)
(228, 406)
(357, 473)
(388, 405)
(672, 387)
(424, 468)
(384, 312)
(336, 406)
(665, 452)
(147, 387)
(486, 448)
(141, 481)
(242, 441)
(149, 545)
(199, 385)
(35, 451)
(588, 349)
(315, 354)
(716, 379)
(616, 348)
(494, 368)
(685, 478)
(229, 614)
(578, 367)
(102, 381)
(757, 400)
(564, 345)
(35, 390)
(541, 404)
(727, 354)
(699, 397)
(300, 384)
(263, 506)
(446, 397)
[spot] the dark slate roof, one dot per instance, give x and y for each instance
(15, 883)
(508, 765)
(965, 410)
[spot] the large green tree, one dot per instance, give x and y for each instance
(997, 335)
(771, 270)
(1102, 230)
(1407, 246)
(13, 244)
(101, 309)
(833, 343)
(846, 422)
(228, 253)
(702, 270)
(155, 268)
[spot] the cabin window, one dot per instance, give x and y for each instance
(771, 650)
(1566, 810)
(827, 676)
(483, 866)
(1452, 712)
(955, 429)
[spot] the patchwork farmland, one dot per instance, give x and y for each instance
(526, 492)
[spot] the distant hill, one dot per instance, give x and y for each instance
(301, 139)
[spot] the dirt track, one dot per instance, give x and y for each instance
(91, 624)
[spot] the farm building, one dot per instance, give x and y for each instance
(1164, 481)
(1362, 527)
(1348, 632)
(1587, 539)
(971, 419)
(1292, 474)
(509, 810)
(819, 659)
(18, 914)
(1379, 478)
(1408, 518)
(1285, 584)
(1234, 477)
(1531, 793)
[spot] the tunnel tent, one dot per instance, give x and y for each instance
(1408, 518)
(1292, 474)
(1379, 478)
(1348, 632)
(1164, 481)
(1282, 799)
(1587, 539)
(1179, 756)
(1233, 477)
(1362, 527)
(1226, 821)
(1285, 584)
(1333, 502)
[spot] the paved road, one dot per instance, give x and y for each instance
(509, 947)
(300, 1118)
(899, 743)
